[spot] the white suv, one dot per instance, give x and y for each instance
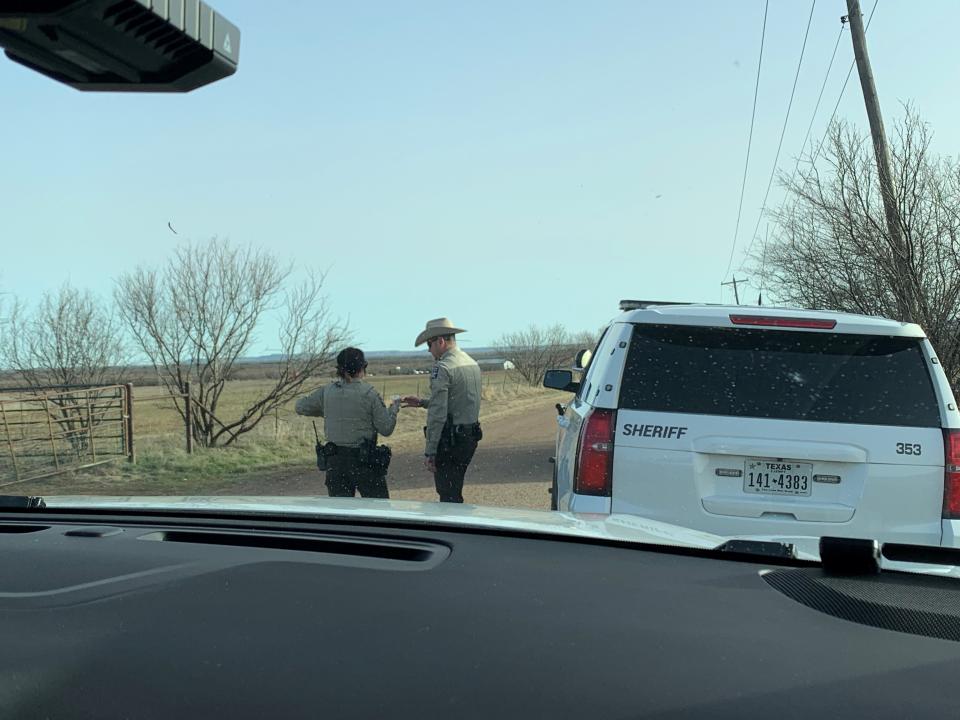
(763, 421)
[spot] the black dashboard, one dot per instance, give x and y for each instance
(152, 616)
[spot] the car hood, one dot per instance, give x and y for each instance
(628, 528)
(616, 527)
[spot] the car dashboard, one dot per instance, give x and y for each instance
(153, 615)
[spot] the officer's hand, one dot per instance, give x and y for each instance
(410, 401)
(431, 463)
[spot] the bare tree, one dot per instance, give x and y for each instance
(197, 317)
(535, 350)
(585, 339)
(69, 339)
(832, 250)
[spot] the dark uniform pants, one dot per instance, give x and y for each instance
(346, 476)
(452, 461)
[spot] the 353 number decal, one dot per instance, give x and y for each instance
(908, 449)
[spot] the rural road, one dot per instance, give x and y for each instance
(511, 467)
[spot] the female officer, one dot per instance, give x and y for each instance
(353, 414)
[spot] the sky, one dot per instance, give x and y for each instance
(498, 163)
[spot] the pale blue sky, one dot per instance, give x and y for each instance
(496, 162)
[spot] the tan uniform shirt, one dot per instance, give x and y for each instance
(455, 386)
(351, 411)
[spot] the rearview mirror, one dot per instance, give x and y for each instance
(132, 46)
(560, 380)
(582, 359)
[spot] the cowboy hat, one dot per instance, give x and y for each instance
(436, 328)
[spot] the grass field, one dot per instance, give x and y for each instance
(282, 440)
(156, 419)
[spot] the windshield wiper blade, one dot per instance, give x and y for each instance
(21, 502)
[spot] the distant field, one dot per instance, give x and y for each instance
(263, 370)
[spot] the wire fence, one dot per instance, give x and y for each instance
(44, 431)
(490, 381)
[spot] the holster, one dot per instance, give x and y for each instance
(324, 452)
(376, 457)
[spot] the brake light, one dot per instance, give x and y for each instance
(951, 474)
(594, 469)
(788, 322)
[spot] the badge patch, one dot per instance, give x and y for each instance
(435, 372)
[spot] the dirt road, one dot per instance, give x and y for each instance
(511, 467)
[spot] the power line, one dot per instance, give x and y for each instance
(783, 132)
(753, 116)
(842, 91)
(816, 107)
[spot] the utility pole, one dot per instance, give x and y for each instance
(736, 293)
(903, 293)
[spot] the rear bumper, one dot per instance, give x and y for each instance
(590, 504)
(950, 536)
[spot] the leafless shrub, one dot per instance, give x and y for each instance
(536, 349)
(69, 339)
(197, 317)
(832, 250)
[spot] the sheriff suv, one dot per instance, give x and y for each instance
(762, 421)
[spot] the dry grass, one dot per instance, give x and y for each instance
(157, 420)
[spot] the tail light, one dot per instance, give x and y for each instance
(594, 469)
(951, 474)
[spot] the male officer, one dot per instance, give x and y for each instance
(453, 409)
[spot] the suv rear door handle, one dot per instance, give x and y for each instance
(758, 507)
(764, 447)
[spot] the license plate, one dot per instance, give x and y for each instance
(777, 477)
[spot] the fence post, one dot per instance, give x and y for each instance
(13, 453)
(131, 448)
(276, 424)
(53, 442)
(188, 416)
(93, 447)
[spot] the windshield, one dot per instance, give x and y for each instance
(342, 264)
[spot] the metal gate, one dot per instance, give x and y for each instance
(46, 432)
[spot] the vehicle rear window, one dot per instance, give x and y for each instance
(787, 375)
